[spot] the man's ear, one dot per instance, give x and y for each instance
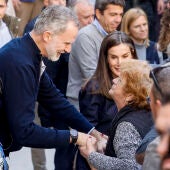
(98, 14)
(158, 105)
(47, 36)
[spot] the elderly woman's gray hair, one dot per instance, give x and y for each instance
(55, 19)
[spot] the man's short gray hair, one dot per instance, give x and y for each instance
(74, 3)
(55, 18)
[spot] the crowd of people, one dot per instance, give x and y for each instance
(89, 78)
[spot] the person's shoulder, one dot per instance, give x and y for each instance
(12, 23)
(89, 30)
(149, 137)
(125, 124)
(86, 29)
(152, 44)
(155, 142)
(88, 35)
(92, 83)
(11, 47)
(11, 52)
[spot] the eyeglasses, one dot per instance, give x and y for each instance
(153, 72)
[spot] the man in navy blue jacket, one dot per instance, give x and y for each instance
(24, 82)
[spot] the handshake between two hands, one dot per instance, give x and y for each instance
(88, 143)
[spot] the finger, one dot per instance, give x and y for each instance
(89, 140)
(105, 137)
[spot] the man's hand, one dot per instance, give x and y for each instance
(82, 138)
(99, 136)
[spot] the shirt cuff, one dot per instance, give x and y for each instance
(91, 130)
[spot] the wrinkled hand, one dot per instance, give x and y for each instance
(104, 136)
(101, 145)
(102, 140)
(90, 146)
(98, 135)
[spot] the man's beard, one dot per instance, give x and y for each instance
(54, 57)
(52, 54)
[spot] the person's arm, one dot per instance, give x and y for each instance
(125, 144)
(19, 92)
(19, 101)
(59, 108)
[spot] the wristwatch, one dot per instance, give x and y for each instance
(74, 135)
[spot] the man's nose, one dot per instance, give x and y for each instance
(143, 28)
(119, 60)
(118, 19)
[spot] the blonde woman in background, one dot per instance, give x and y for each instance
(135, 24)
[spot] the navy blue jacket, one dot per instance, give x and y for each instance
(21, 88)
